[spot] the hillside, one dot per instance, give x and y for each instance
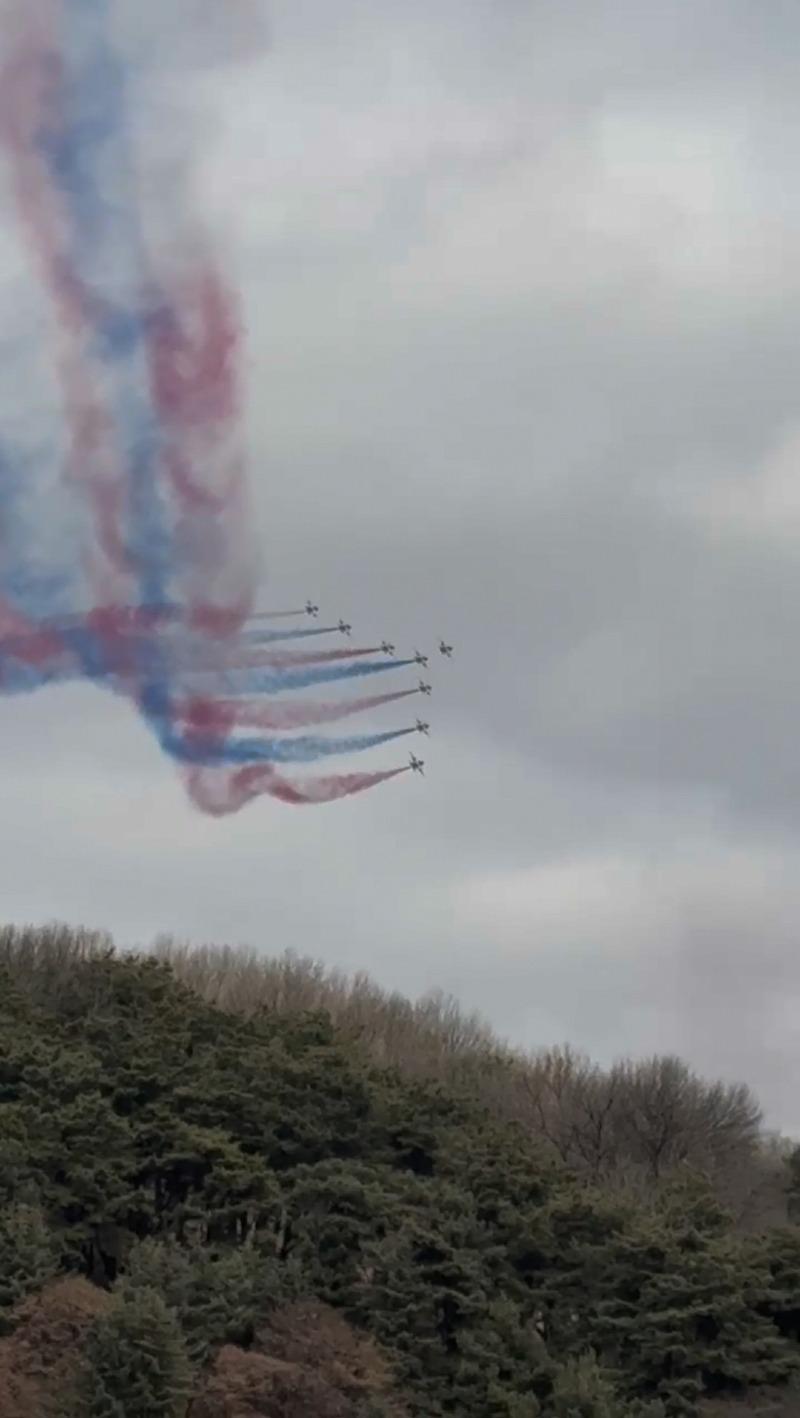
(217, 1202)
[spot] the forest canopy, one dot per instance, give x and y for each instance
(213, 1197)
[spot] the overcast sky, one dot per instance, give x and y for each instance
(522, 290)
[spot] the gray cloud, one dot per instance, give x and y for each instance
(521, 297)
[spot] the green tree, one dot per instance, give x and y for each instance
(29, 1254)
(668, 1298)
(218, 1298)
(793, 1184)
(135, 1362)
(582, 1390)
(774, 1263)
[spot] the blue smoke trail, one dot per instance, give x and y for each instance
(205, 750)
(271, 637)
(254, 681)
(89, 158)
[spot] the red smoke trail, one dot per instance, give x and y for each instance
(251, 657)
(192, 360)
(199, 660)
(193, 356)
(119, 632)
(220, 716)
(218, 792)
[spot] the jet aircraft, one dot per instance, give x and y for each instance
(417, 765)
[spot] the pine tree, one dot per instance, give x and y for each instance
(28, 1253)
(135, 1362)
(218, 1299)
(582, 1390)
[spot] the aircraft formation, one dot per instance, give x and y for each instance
(386, 647)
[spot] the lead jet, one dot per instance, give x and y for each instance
(345, 627)
(417, 765)
(446, 650)
(421, 727)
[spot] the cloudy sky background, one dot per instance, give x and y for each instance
(522, 293)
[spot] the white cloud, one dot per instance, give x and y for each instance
(521, 303)
(760, 504)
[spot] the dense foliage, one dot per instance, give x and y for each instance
(272, 1215)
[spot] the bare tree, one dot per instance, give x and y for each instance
(633, 1124)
